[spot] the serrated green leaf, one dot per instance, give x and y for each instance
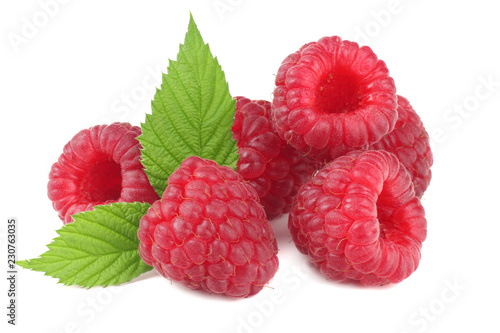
(99, 248)
(192, 113)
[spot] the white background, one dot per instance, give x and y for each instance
(81, 66)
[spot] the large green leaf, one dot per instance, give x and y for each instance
(192, 114)
(99, 248)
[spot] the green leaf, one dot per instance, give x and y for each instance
(192, 114)
(99, 248)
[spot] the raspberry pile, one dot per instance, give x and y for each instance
(360, 217)
(99, 165)
(209, 231)
(336, 147)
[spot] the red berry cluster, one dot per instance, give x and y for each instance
(337, 148)
(360, 216)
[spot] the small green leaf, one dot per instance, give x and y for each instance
(192, 114)
(99, 248)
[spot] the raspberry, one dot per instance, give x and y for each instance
(358, 219)
(273, 168)
(209, 231)
(98, 166)
(409, 141)
(333, 96)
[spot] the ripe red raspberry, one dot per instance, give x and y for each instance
(358, 218)
(98, 166)
(409, 141)
(333, 96)
(209, 231)
(273, 168)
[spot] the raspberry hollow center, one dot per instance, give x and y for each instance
(103, 182)
(338, 93)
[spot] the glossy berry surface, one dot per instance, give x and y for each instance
(98, 166)
(409, 141)
(268, 163)
(209, 232)
(358, 219)
(333, 96)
